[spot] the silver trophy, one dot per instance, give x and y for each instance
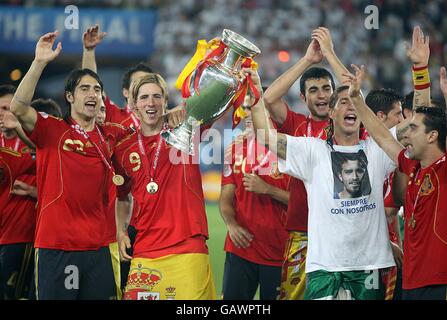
(218, 84)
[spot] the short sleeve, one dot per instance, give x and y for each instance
(298, 159)
(44, 129)
(406, 165)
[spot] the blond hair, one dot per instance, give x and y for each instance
(154, 78)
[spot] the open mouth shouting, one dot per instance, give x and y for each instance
(350, 119)
(90, 105)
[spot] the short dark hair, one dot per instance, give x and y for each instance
(382, 100)
(6, 89)
(315, 73)
(338, 158)
(144, 67)
(407, 101)
(440, 103)
(48, 106)
(73, 80)
(435, 119)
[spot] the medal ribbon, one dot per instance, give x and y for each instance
(156, 156)
(84, 133)
(16, 146)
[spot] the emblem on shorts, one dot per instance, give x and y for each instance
(141, 282)
(148, 296)
(170, 293)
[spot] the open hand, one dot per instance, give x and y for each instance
(44, 48)
(92, 37)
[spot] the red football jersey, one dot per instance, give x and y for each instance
(122, 116)
(299, 125)
(17, 213)
(425, 240)
(73, 184)
(388, 202)
(176, 212)
(263, 216)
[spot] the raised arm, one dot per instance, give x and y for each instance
(323, 36)
(375, 127)
(419, 53)
(21, 101)
(279, 88)
(277, 142)
(443, 82)
(90, 39)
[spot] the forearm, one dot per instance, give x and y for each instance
(25, 92)
(89, 60)
(282, 85)
(421, 84)
(227, 212)
(278, 194)
(21, 134)
(337, 66)
(123, 213)
(261, 123)
(421, 98)
(377, 129)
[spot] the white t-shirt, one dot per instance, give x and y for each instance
(345, 234)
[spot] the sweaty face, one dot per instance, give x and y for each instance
(344, 115)
(317, 94)
(86, 100)
(5, 103)
(150, 104)
(352, 175)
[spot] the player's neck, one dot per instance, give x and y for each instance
(151, 130)
(343, 139)
(86, 123)
(318, 118)
(9, 134)
(431, 157)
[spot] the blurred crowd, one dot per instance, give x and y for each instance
(287, 25)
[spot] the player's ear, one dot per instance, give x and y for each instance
(69, 96)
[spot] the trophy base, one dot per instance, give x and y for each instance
(180, 138)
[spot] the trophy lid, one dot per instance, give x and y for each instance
(239, 43)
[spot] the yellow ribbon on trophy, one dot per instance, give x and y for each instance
(201, 51)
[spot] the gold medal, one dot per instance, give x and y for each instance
(152, 187)
(118, 180)
(412, 223)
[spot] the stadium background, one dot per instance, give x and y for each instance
(164, 34)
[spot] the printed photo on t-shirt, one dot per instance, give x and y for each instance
(351, 179)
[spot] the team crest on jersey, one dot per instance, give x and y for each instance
(427, 186)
